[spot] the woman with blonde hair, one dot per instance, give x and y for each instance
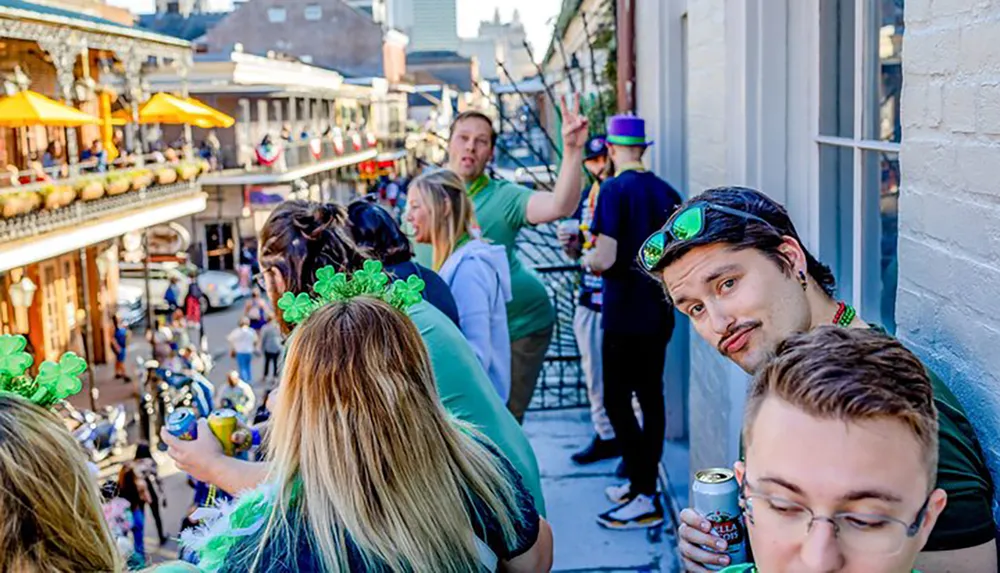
(477, 272)
(50, 510)
(367, 473)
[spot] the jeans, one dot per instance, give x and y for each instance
(139, 532)
(633, 363)
(243, 362)
(527, 355)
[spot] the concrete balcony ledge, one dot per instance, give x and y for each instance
(574, 496)
(44, 234)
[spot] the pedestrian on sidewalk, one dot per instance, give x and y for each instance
(179, 330)
(193, 313)
(256, 310)
(139, 485)
(242, 344)
(172, 295)
(476, 271)
(637, 320)
(502, 210)
(237, 395)
(577, 240)
(119, 344)
(732, 261)
(147, 470)
(271, 346)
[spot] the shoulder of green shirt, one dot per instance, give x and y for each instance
(751, 568)
(512, 199)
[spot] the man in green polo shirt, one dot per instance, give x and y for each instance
(731, 260)
(502, 210)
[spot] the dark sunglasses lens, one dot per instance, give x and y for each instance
(688, 224)
(652, 250)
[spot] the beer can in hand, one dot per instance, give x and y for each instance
(223, 423)
(717, 499)
(182, 423)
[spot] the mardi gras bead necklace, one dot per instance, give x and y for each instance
(477, 185)
(845, 314)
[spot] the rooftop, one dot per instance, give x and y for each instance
(21, 10)
(190, 28)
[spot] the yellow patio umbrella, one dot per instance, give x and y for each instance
(165, 108)
(219, 119)
(28, 108)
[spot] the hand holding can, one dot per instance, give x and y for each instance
(717, 500)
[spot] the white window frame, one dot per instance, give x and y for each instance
(313, 12)
(273, 15)
(865, 255)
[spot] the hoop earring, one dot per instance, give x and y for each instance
(803, 281)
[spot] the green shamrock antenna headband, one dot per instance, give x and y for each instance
(332, 286)
(55, 381)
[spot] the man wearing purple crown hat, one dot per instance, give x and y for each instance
(637, 320)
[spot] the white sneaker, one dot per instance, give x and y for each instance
(640, 513)
(618, 494)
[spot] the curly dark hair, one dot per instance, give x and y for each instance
(742, 233)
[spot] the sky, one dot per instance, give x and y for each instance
(538, 15)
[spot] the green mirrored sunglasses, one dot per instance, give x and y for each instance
(684, 225)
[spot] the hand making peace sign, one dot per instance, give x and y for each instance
(574, 125)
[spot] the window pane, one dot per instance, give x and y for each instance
(886, 73)
(836, 104)
(836, 207)
(882, 200)
(276, 15)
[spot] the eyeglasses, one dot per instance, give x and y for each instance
(859, 532)
(683, 226)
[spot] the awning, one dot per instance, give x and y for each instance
(28, 108)
(48, 245)
(218, 119)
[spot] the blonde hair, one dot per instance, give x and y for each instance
(362, 451)
(450, 210)
(50, 511)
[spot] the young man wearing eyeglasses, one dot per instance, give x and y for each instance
(841, 441)
(732, 261)
(636, 318)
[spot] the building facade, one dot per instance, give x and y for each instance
(497, 42)
(874, 122)
(432, 25)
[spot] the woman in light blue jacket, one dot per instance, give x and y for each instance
(477, 272)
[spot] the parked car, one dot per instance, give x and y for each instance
(219, 289)
(131, 305)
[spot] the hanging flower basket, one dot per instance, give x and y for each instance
(166, 176)
(141, 178)
(90, 189)
(118, 184)
(204, 166)
(187, 171)
(57, 196)
(14, 204)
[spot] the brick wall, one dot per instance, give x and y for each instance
(344, 38)
(949, 231)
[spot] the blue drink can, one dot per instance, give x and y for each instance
(182, 423)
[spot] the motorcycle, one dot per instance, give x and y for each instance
(101, 435)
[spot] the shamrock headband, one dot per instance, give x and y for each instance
(332, 286)
(55, 381)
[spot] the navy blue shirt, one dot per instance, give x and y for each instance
(436, 291)
(591, 285)
(631, 207)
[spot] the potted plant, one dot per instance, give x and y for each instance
(57, 196)
(20, 203)
(118, 183)
(166, 176)
(204, 166)
(90, 188)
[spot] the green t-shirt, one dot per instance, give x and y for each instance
(502, 211)
(967, 519)
(751, 568)
(467, 393)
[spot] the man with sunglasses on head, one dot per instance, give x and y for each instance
(841, 440)
(636, 318)
(732, 261)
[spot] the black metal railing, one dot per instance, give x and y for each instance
(561, 383)
(78, 212)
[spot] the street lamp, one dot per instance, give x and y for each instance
(22, 293)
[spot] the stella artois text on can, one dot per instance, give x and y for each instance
(717, 499)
